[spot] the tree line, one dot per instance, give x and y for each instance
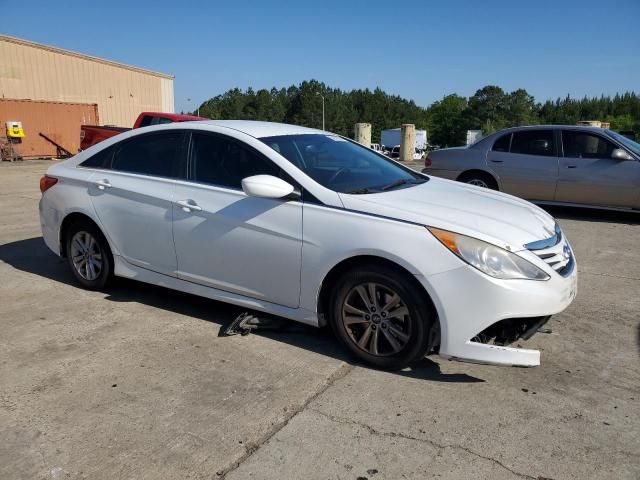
(446, 120)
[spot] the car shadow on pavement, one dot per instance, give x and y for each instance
(593, 215)
(32, 256)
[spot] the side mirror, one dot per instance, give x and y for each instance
(620, 154)
(267, 186)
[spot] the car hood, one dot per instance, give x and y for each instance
(494, 217)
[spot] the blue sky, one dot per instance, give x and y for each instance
(550, 48)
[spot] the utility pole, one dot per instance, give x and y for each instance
(322, 96)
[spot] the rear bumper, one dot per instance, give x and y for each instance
(50, 225)
(468, 302)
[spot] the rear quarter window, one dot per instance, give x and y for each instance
(502, 144)
(102, 159)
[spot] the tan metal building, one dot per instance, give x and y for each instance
(31, 71)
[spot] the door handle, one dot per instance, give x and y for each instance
(102, 184)
(497, 161)
(189, 206)
(572, 166)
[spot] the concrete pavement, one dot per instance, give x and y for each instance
(135, 383)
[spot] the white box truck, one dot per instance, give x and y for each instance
(391, 138)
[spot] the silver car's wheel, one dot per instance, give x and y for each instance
(376, 319)
(478, 183)
(86, 255)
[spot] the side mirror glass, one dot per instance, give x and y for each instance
(266, 186)
(620, 154)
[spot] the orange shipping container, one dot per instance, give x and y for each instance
(60, 121)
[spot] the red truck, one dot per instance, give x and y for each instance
(92, 134)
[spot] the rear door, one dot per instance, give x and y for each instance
(133, 197)
(589, 175)
(526, 162)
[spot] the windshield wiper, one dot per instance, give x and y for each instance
(360, 191)
(400, 182)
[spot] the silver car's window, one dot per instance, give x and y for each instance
(627, 142)
(577, 144)
(502, 144)
(533, 142)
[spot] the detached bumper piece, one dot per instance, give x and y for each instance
(245, 323)
(505, 332)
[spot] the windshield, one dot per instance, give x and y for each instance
(341, 165)
(627, 142)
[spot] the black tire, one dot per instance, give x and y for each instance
(420, 317)
(479, 179)
(98, 251)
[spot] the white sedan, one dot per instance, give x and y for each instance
(311, 226)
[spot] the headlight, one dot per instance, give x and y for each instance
(490, 259)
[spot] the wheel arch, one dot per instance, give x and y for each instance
(324, 293)
(69, 220)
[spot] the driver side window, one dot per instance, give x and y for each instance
(585, 145)
(224, 162)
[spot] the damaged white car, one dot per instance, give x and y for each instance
(310, 226)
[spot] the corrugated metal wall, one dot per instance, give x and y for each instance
(37, 72)
(59, 121)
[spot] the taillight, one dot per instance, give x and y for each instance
(427, 162)
(47, 182)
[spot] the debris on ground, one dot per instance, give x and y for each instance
(247, 322)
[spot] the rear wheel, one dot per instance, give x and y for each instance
(479, 179)
(88, 255)
(381, 317)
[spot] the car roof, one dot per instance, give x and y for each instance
(263, 129)
(573, 127)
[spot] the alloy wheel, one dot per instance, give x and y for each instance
(86, 255)
(376, 319)
(478, 183)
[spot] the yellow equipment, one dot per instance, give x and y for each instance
(14, 130)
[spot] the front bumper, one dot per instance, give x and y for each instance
(468, 302)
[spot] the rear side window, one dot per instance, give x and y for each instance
(146, 121)
(224, 162)
(585, 145)
(153, 120)
(156, 154)
(102, 159)
(533, 142)
(502, 144)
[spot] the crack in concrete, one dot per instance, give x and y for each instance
(251, 448)
(607, 275)
(439, 446)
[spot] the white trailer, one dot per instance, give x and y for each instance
(391, 137)
(473, 136)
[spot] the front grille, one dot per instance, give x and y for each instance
(555, 252)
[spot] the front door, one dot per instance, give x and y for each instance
(227, 240)
(133, 198)
(526, 163)
(589, 175)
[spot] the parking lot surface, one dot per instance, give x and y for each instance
(135, 383)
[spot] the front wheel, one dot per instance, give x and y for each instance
(381, 317)
(88, 255)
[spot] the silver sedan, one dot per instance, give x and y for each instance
(565, 165)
